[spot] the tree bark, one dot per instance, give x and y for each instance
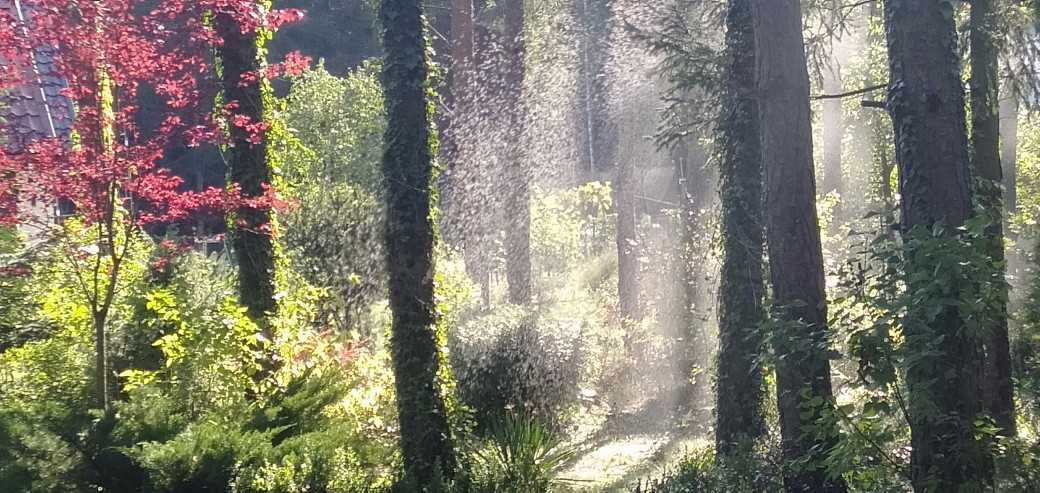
(409, 231)
(985, 144)
(926, 102)
(517, 200)
(248, 167)
(101, 360)
(738, 410)
(803, 372)
(626, 240)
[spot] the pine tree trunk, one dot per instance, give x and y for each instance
(517, 192)
(833, 129)
(803, 372)
(926, 102)
(627, 244)
(985, 144)
(407, 168)
(248, 167)
(738, 410)
(597, 133)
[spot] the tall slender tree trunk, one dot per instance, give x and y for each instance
(803, 372)
(985, 145)
(101, 360)
(833, 129)
(926, 101)
(248, 167)
(627, 243)
(407, 168)
(738, 409)
(1008, 111)
(442, 22)
(483, 82)
(598, 135)
(517, 190)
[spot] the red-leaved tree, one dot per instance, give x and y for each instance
(107, 166)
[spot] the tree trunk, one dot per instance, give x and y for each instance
(926, 101)
(101, 360)
(597, 134)
(627, 244)
(1008, 111)
(443, 22)
(985, 144)
(482, 81)
(803, 372)
(407, 168)
(248, 167)
(833, 129)
(738, 410)
(517, 200)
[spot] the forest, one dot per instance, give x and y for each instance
(519, 246)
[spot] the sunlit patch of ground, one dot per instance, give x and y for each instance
(614, 465)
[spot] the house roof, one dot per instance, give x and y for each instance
(36, 109)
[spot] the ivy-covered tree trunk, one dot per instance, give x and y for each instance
(408, 172)
(248, 166)
(985, 145)
(517, 188)
(627, 244)
(943, 362)
(738, 410)
(803, 370)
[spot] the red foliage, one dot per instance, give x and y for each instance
(120, 47)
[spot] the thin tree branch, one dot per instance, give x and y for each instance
(851, 93)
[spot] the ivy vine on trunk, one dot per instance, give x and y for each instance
(408, 171)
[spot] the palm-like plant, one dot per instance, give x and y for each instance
(522, 454)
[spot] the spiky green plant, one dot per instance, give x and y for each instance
(522, 454)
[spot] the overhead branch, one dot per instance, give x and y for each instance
(851, 93)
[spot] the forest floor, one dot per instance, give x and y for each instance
(617, 451)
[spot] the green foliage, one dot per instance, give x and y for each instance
(515, 361)
(333, 235)
(190, 417)
(570, 225)
(1027, 215)
(889, 297)
(341, 121)
(19, 320)
(521, 455)
(700, 472)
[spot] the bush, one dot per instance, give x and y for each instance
(514, 361)
(521, 456)
(699, 472)
(333, 236)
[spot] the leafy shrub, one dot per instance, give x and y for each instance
(522, 455)
(335, 241)
(699, 472)
(513, 361)
(333, 236)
